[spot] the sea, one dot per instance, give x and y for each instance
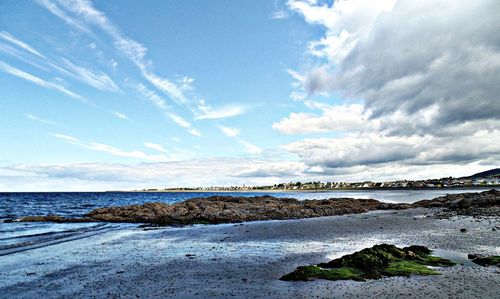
(18, 236)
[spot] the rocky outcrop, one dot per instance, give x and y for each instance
(484, 199)
(226, 209)
(480, 204)
(376, 262)
(486, 261)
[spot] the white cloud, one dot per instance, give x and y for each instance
(279, 15)
(203, 172)
(195, 132)
(381, 64)
(8, 37)
(208, 112)
(229, 132)
(67, 138)
(370, 149)
(334, 118)
(22, 56)
(101, 147)
(40, 120)
(179, 120)
(345, 21)
(38, 81)
(250, 148)
(161, 104)
(428, 84)
(168, 87)
(97, 80)
(122, 153)
(150, 95)
(298, 85)
(57, 11)
(86, 14)
(120, 115)
(156, 147)
(106, 176)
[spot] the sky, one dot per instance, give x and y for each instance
(119, 95)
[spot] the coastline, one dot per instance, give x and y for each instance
(247, 259)
(236, 209)
(309, 190)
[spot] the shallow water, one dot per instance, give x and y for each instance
(74, 204)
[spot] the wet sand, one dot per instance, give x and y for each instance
(247, 260)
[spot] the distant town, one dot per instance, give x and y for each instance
(489, 178)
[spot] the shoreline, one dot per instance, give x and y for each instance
(246, 260)
(262, 190)
(310, 190)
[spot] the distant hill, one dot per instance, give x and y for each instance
(486, 174)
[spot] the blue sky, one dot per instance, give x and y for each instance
(229, 92)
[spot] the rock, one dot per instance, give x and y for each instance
(373, 263)
(435, 204)
(228, 209)
(478, 204)
(472, 256)
(493, 260)
(463, 230)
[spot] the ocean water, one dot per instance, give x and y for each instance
(18, 236)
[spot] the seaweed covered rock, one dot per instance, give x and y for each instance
(488, 261)
(373, 263)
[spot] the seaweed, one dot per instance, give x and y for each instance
(376, 262)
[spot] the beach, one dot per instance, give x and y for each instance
(246, 260)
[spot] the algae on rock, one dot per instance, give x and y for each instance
(493, 260)
(373, 263)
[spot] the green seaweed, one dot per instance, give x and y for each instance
(437, 261)
(407, 268)
(313, 271)
(374, 263)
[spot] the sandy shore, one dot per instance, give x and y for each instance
(247, 260)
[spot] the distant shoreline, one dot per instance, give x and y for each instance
(307, 190)
(264, 190)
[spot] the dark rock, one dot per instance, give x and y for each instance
(477, 204)
(225, 209)
(472, 256)
(463, 230)
(489, 198)
(493, 260)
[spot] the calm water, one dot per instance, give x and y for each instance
(70, 204)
